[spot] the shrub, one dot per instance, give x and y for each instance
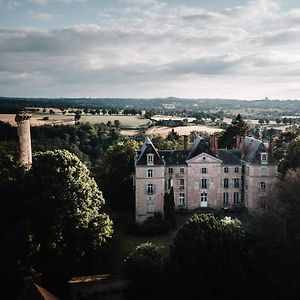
(154, 225)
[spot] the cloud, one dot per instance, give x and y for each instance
(150, 48)
(41, 16)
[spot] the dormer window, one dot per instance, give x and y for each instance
(264, 158)
(150, 159)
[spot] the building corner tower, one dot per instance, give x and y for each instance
(23, 121)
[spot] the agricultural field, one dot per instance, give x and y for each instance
(68, 119)
(126, 121)
(182, 130)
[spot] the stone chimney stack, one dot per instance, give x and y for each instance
(185, 142)
(242, 146)
(271, 147)
(238, 142)
(213, 143)
(23, 121)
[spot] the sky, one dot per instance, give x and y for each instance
(149, 48)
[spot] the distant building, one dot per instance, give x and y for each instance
(204, 176)
(169, 106)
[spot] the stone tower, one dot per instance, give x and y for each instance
(23, 121)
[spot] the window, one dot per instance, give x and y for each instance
(236, 197)
(264, 172)
(150, 173)
(150, 159)
(203, 170)
(150, 189)
(226, 170)
(263, 185)
(181, 200)
(204, 184)
(226, 183)
(150, 205)
(264, 158)
(247, 170)
(170, 170)
(181, 183)
(203, 197)
(181, 170)
(225, 198)
(236, 170)
(236, 182)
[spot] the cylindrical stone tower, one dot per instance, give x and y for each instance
(23, 121)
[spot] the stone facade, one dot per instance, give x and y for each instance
(203, 176)
(23, 121)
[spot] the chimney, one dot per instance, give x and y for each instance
(242, 146)
(23, 122)
(271, 147)
(185, 142)
(238, 142)
(213, 143)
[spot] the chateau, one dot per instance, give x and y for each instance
(203, 175)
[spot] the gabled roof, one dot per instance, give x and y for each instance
(199, 146)
(148, 148)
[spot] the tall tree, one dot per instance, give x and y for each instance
(207, 253)
(115, 175)
(238, 127)
(144, 267)
(60, 207)
(169, 207)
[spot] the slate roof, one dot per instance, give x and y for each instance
(253, 149)
(174, 157)
(199, 146)
(229, 157)
(147, 148)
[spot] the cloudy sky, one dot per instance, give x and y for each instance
(150, 48)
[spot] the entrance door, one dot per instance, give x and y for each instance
(203, 199)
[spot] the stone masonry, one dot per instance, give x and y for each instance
(204, 176)
(23, 121)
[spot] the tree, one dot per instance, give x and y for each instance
(59, 208)
(278, 237)
(173, 135)
(291, 156)
(117, 123)
(77, 116)
(205, 251)
(114, 175)
(144, 267)
(169, 207)
(238, 127)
